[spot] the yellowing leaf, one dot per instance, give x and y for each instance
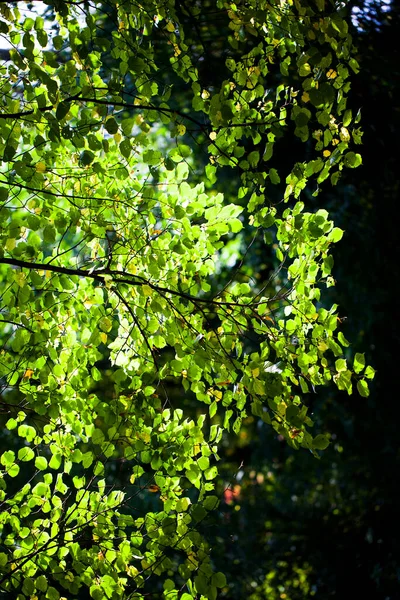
(326, 153)
(344, 134)
(145, 436)
(10, 244)
(147, 291)
(20, 278)
(305, 97)
(105, 324)
(331, 74)
(294, 432)
(153, 488)
(216, 393)
(170, 27)
(40, 167)
(255, 372)
(282, 408)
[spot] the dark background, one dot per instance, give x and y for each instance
(297, 527)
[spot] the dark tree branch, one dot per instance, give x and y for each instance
(149, 107)
(101, 275)
(127, 105)
(15, 323)
(23, 264)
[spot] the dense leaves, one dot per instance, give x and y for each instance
(112, 327)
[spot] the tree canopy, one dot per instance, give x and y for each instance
(135, 327)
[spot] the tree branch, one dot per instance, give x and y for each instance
(100, 275)
(23, 264)
(126, 105)
(16, 324)
(130, 106)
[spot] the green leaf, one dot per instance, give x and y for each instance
(341, 364)
(52, 593)
(55, 461)
(343, 340)
(352, 160)
(211, 473)
(362, 387)
(41, 463)
(26, 454)
(201, 583)
(193, 476)
(111, 125)
(125, 148)
(211, 502)
(253, 158)
(183, 504)
(13, 470)
(369, 372)
(11, 424)
(219, 580)
(3, 194)
(320, 442)
(359, 362)
(203, 462)
(62, 109)
(41, 583)
(304, 70)
(274, 176)
(86, 158)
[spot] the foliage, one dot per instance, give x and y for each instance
(110, 239)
